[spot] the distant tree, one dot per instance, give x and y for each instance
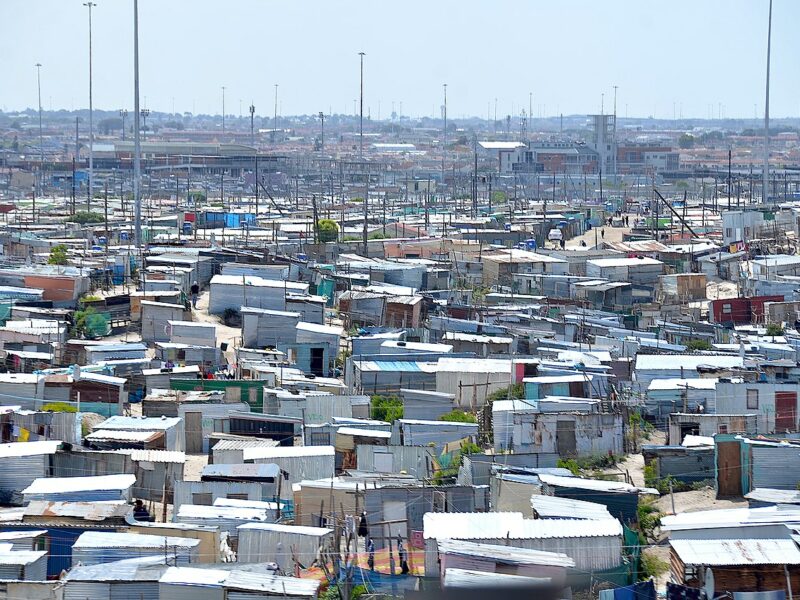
(327, 230)
(84, 217)
(106, 126)
(458, 416)
(386, 408)
(377, 235)
(686, 141)
(58, 255)
(773, 330)
(174, 125)
(698, 345)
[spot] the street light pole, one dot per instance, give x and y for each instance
(444, 147)
(137, 148)
(361, 113)
(123, 112)
(275, 118)
(39, 86)
(322, 135)
(90, 5)
(252, 130)
(223, 110)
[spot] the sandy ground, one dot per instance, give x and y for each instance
(609, 234)
(228, 335)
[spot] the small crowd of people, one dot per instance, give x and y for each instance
(369, 545)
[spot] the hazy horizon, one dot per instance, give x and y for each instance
(695, 60)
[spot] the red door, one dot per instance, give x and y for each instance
(785, 411)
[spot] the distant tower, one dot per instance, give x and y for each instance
(604, 141)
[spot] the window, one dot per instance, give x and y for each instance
(752, 399)
(237, 497)
(728, 232)
(723, 428)
(727, 309)
(202, 499)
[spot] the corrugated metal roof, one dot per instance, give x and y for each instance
(405, 366)
(110, 435)
(294, 529)
(476, 526)
(114, 539)
(505, 554)
(55, 485)
(474, 365)
(88, 511)
(356, 432)
(567, 508)
(156, 456)
(737, 552)
(131, 569)
(256, 504)
(241, 580)
(264, 452)
(593, 484)
(139, 423)
(20, 449)
(671, 362)
(196, 511)
(21, 557)
(774, 496)
(8, 536)
(260, 471)
(683, 384)
(242, 444)
(465, 578)
(732, 517)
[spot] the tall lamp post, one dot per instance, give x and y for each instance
(322, 131)
(444, 147)
(137, 148)
(361, 114)
(252, 129)
(223, 110)
(41, 137)
(123, 112)
(145, 112)
(90, 5)
(275, 118)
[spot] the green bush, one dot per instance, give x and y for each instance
(698, 345)
(773, 329)
(649, 518)
(386, 408)
(84, 217)
(89, 323)
(58, 255)
(570, 464)
(62, 407)
(517, 392)
(377, 235)
(458, 416)
(651, 566)
(327, 230)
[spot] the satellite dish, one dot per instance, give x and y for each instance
(709, 586)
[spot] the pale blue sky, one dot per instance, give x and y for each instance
(694, 53)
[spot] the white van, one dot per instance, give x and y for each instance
(555, 235)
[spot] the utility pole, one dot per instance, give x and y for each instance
(444, 146)
(90, 5)
(361, 130)
(41, 137)
(275, 118)
(765, 181)
(614, 135)
(322, 131)
(123, 112)
(252, 128)
(223, 110)
(137, 147)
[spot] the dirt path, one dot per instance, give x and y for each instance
(225, 334)
(597, 235)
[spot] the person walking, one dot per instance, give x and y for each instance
(195, 290)
(371, 554)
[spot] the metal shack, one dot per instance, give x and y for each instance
(156, 317)
(132, 578)
(413, 432)
(21, 464)
(26, 565)
(593, 545)
(96, 547)
(171, 429)
(488, 558)
(269, 476)
(205, 493)
(227, 518)
(81, 489)
(300, 462)
(190, 332)
(185, 583)
(262, 328)
(235, 291)
(271, 542)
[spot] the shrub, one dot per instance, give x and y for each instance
(651, 566)
(773, 329)
(327, 230)
(386, 408)
(698, 345)
(517, 392)
(377, 235)
(570, 464)
(59, 407)
(84, 217)
(458, 416)
(649, 518)
(58, 255)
